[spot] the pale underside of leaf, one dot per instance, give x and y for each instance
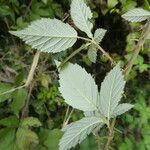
(81, 14)
(48, 35)
(111, 91)
(92, 53)
(78, 88)
(136, 15)
(122, 108)
(99, 35)
(78, 131)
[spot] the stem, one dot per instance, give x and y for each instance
(100, 48)
(110, 134)
(73, 54)
(67, 112)
(137, 48)
(32, 70)
(127, 70)
(98, 140)
(30, 76)
(25, 110)
(67, 119)
(12, 90)
(105, 53)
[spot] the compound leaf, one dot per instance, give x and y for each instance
(78, 131)
(81, 14)
(121, 108)
(48, 35)
(136, 15)
(78, 88)
(111, 91)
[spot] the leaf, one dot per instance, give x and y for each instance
(111, 91)
(52, 139)
(99, 35)
(81, 14)
(8, 139)
(3, 88)
(19, 98)
(121, 108)
(112, 3)
(25, 138)
(92, 53)
(48, 35)
(30, 122)
(78, 132)
(78, 88)
(11, 121)
(136, 15)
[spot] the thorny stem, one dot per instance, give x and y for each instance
(127, 70)
(137, 48)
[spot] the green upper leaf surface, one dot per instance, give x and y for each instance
(78, 131)
(136, 15)
(111, 91)
(81, 14)
(19, 98)
(11, 121)
(78, 88)
(48, 35)
(30, 122)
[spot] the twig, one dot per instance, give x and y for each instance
(137, 48)
(74, 53)
(67, 119)
(110, 134)
(99, 47)
(25, 110)
(98, 140)
(67, 112)
(32, 70)
(28, 9)
(30, 76)
(105, 53)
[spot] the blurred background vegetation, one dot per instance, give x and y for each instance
(32, 119)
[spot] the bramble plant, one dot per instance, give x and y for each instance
(77, 87)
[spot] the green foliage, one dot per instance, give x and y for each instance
(40, 129)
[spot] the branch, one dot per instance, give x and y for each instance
(73, 54)
(137, 48)
(110, 134)
(32, 70)
(30, 76)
